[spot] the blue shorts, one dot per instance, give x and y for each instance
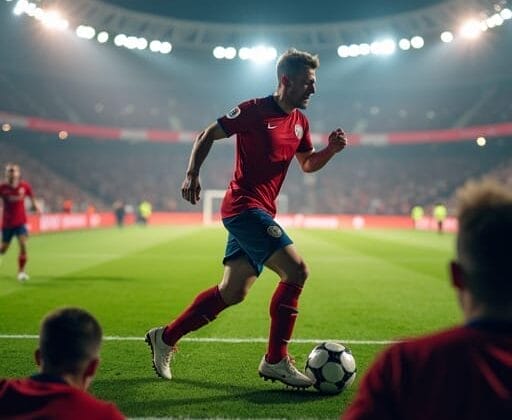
(9, 233)
(256, 234)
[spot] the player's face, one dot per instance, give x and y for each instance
(12, 173)
(301, 87)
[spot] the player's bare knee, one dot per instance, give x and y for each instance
(299, 274)
(233, 296)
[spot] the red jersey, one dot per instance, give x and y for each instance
(266, 142)
(44, 397)
(13, 198)
(461, 373)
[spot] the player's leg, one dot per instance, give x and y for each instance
(22, 235)
(293, 273)
(7, 235)
(238, 277)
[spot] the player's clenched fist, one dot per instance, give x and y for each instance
(191, 188)
(337, 140)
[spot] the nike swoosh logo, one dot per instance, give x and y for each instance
(271, 127)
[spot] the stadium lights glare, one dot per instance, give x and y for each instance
(343, 51)
(166, 47)
(257, 54)
(404, 44)
(6, 127)
(230, 53)
(49, 18)
(142, 43)
(481, 141)
(63, 135)
(119, 40)
(85, 32)
(447, 37)
(384, 47)
(219, 52)
(506, 14)
(155, 45)
(417, 42)
(102, 37)
(471, 29)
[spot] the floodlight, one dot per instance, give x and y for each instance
(142, 43)
(165, 47)
(506, 14)
(155, 45)
(229, 53)
(471, 29)
(417, 42)
(20, 7)
(219, 52)
(102, 37)
(404, 44)
(343, 51)
(131, 42)
(447, 37)
(364, 49)
(353, 50)
(85, 32)
(481, 141)
(119, 40)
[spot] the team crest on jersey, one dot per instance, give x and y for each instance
(299, 131)
(235, 112)
(21, 191)
(274, 231)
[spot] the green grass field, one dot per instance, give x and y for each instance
(364, 287)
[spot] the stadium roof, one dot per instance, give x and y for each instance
(312, 25)
(272, 11)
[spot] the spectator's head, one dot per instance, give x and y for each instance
(296, 77)
(12, 173)
(482, 273)
(69, 346)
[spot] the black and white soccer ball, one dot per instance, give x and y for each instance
(331, 366)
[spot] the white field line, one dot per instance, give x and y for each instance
(215, 339)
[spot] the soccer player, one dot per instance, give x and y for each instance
(13, 193)
(464, 372)
(68, 357)
(270, 132)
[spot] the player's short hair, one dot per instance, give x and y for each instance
(294, 61)
(69, 337)
(11, 166)
(483, 242)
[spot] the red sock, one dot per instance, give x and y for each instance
(204, 309)
(22, 260)
(283, 313)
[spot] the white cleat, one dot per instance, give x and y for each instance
(162, 353)
(22, 277)
(285, 372)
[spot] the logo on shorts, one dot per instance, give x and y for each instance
(299, 131)
(274, 231)
(235, 112)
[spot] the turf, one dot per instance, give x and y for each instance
(364, 286)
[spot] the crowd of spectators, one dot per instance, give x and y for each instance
(363, 180)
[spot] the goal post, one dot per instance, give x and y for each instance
(211, 196)
(211, 204)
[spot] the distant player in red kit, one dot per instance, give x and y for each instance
(13, 193)
(270, 132)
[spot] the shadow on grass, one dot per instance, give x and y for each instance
(131, 391)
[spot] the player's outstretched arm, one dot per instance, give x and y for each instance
(191, 187)
(313, 161)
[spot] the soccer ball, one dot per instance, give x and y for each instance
(331, 367)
